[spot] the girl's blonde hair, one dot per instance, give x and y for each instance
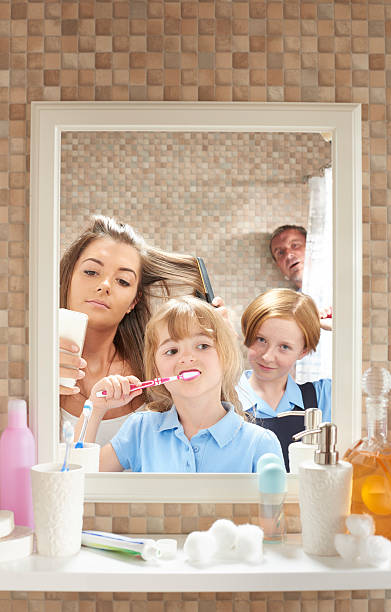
(181, 316)
(162, 275)
(283, 304)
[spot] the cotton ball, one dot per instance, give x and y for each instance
(347, 546)
(360, 525)
(375, 550)
(199, 546)
(249, 543)
(225, 533)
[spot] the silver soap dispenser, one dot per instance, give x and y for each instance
(304, 449)
(325, 488)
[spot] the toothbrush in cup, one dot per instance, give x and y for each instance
(87, 409)
(68, 434)
(188, 375)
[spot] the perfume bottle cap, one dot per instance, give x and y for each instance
(272, 478)
(267, 458)
(17, 413)
(376, 381)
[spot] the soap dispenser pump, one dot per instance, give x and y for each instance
(325, 487)
(304, 449)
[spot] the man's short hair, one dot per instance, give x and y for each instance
(283, 228)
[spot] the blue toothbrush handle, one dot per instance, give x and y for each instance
(79, 443)
(64, 465)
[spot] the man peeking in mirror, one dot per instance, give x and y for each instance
(287, 247)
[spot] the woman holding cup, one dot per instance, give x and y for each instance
(111, 274)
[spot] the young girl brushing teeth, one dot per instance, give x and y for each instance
(189, 426)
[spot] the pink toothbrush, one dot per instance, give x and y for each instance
(189, 375)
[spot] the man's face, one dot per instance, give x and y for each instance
(288, 250)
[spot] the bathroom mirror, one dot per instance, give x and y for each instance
(65, 131)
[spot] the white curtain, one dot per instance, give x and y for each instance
(318, 273)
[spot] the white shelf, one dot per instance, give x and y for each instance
(284, 568)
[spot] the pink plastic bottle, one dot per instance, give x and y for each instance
(17, 455)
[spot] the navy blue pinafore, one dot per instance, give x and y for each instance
(286, 427)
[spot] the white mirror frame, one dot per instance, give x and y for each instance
(48, 121)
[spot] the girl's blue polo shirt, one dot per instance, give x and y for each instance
(292, 397)
(155, 442)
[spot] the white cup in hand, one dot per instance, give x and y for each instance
(72, 326)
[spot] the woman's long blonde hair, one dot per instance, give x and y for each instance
(181, 316)
(161, 274)
(283, 304)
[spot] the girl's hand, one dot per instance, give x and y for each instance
(326, 318)
(118, 392)
(70, 364)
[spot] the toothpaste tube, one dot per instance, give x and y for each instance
(147, 549)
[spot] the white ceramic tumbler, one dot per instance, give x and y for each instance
(88, 456)
(58, 499)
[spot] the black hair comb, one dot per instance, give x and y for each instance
(208, 294)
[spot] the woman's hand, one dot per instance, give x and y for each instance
(70, 364)
(118, 392)
(218, 303)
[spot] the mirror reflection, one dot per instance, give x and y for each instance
(215, 195)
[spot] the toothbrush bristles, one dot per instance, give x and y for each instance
(189, 375)
(68, 432)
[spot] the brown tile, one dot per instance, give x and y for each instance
(154, 43)
(155, 77)
(51, 77)
(103, 60)
(206, 26)
(257, 10)
(189, 10)
(240, 60)
(139, 26)
(172, 44)
(190, 77)
(86, 9)
(17, 111)
(137, 60)
(103, 27)
(376, 62)
(257, 43)
(206, 93)
(18, 10)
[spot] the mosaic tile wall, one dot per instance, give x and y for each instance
(261, 50)
(322, 601)
(227, 193)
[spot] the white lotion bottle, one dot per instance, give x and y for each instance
(305, 450)
(325, 488)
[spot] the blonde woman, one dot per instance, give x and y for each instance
(111, 274)
(280, 327)
(190, 425)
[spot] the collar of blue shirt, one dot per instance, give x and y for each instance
(250, 400)
(223, 431)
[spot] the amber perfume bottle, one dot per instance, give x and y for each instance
(371, 456)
